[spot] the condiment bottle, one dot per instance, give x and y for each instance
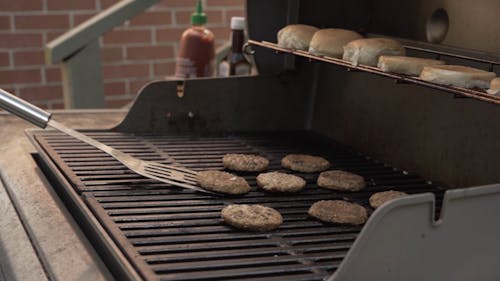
(236, 63)
(196, 49)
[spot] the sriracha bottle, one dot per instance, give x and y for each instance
(196, 49)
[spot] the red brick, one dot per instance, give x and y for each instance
(11, 90)
(42, 22)
(41, 92)
(115, 88)
(127, 36)
(20, 76)
(177, 3)
(20, 5)
(70, 5)
(222, 33)
(20, 40)
(234, 13)
(125, 71)
(225, 3)
(118, 103)
(111, 54)
(169, 34)
(164, 69)
(184, 17)
(5, 23)
(150, 52)
(107, 3)
(51, 35)
(29, 58)
(4, 59)
(136, 86)
(41, 104)
(53, 74)
(57, 105)
(152, 18)
(79, 18)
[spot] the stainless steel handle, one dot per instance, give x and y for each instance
(24, 109)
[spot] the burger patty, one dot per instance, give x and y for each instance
(245, 162)
(338, 211)
(379, 198)
(305, 163)
(223, 182)
(341, 181)
(252, 217)
(280, 182)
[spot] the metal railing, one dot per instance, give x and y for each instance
(79, 53)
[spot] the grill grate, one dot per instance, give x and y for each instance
(177, 234)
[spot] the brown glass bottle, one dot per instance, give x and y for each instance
(236, 63)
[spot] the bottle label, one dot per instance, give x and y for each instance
(224, 69)
(242, 69)
(185, 68)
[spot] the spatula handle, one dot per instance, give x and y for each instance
(24, 109)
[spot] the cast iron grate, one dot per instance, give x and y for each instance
(169, 233)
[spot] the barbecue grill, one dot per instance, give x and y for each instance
(440, 144)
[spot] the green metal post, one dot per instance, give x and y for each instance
(82, 78)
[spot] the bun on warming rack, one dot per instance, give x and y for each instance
(331, 41)
(296, 36)
(405, 65)
(368, 50)
(495, 86)
(457, 75)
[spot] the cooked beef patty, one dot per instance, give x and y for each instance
(305, 163)
(338, 211)
(223, 182)
(245, 162)
(379, 198)
(280, 182)
(252, 217)
(341, 181)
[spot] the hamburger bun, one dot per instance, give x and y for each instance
(368, 50)
(457, 75)
(405, 65)
(495, 86)
(331, 41)
(296, 36)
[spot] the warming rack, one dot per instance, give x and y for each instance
(458, 91)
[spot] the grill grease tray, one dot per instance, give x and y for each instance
(168, 233)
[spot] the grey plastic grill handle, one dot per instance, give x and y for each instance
(24, 109)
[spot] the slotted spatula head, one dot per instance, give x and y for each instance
(170, 174)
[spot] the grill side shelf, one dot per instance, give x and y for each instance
(460, 92)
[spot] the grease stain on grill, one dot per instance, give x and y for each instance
(169, 233)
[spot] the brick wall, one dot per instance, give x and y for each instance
(141, 50)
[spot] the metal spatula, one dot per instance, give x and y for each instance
(164, 173)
